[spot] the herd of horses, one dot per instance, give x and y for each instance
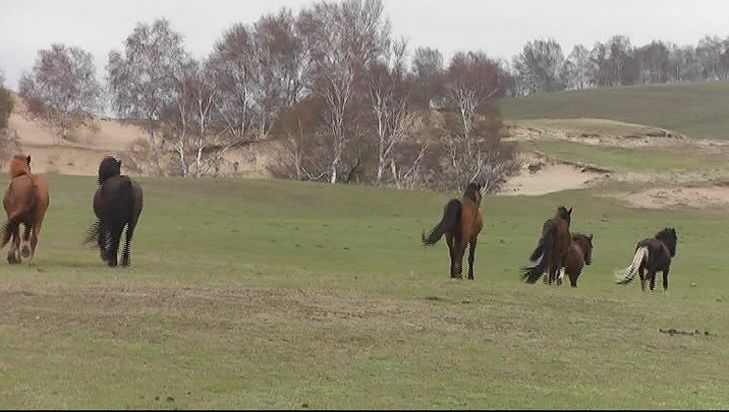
(558, 251)
(117, 205)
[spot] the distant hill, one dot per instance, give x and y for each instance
(699, 110)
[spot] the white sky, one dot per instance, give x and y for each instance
(499, 27)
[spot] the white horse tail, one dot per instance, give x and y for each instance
(629, 273)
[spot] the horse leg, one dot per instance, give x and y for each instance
(665, 279)
(13, 252)
(25, 252)
(553, 273)
(573, 278)
(114, 244)
(460, 246)
(127, 242)
(102, 241)
(452, 254)
(652, 280)
(471, 257)
(641, 273)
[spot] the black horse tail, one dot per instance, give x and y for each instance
(92, 234)
(541, 255)
(451, 215)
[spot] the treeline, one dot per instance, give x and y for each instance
(330, 84)
(8, 138)
(543, 67)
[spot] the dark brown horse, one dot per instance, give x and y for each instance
(461, 223)
(653, 255)
(118, 203)
(551, 250)
(26, 201)
(579, 254)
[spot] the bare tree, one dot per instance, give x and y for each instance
(6, 103)
(232, 64)
(61, 90)
(9, 141)
(279, 63)
(709, 51)
(144, 77)
(393, 117)
(187, 122)
(540, 65)
(472, 125)
(343, 38)
(579, 69)
(304, 155)
(427, 66)
(652, 63)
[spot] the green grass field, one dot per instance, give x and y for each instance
(643, 159)
(269, 294)
(694, 109)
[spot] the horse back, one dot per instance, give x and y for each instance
(562, 238)
(43, 198)
(471, 218)
(114, 199)
(20, 197)
(575, 260)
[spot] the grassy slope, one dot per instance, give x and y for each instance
(276, 294)
(695, 109)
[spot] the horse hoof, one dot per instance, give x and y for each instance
(25, 252)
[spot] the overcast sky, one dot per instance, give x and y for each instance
(500, 28)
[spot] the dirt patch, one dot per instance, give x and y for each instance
(596, 132)
(664, 198)
(541, 175)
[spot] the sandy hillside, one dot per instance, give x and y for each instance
(80, 155)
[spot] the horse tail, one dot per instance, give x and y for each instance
(451, 216)
(92, 234)
(629, 273)
(543, 251)
(14, 218)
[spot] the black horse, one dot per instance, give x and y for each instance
(118, 203)
(653, 255)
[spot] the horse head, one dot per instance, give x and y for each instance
(19, 165)
(669, 238)
(109, 167)
(588, 252)
(564, 214)
(473, 192)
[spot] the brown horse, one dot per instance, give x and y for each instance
(579, 254)
(26, 201)
(462, 221)
(552, 247)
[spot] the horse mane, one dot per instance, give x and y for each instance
(19, 165)
(109, 167)
(668, 237)
(585, 244)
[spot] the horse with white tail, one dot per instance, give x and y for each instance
(652, 255)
